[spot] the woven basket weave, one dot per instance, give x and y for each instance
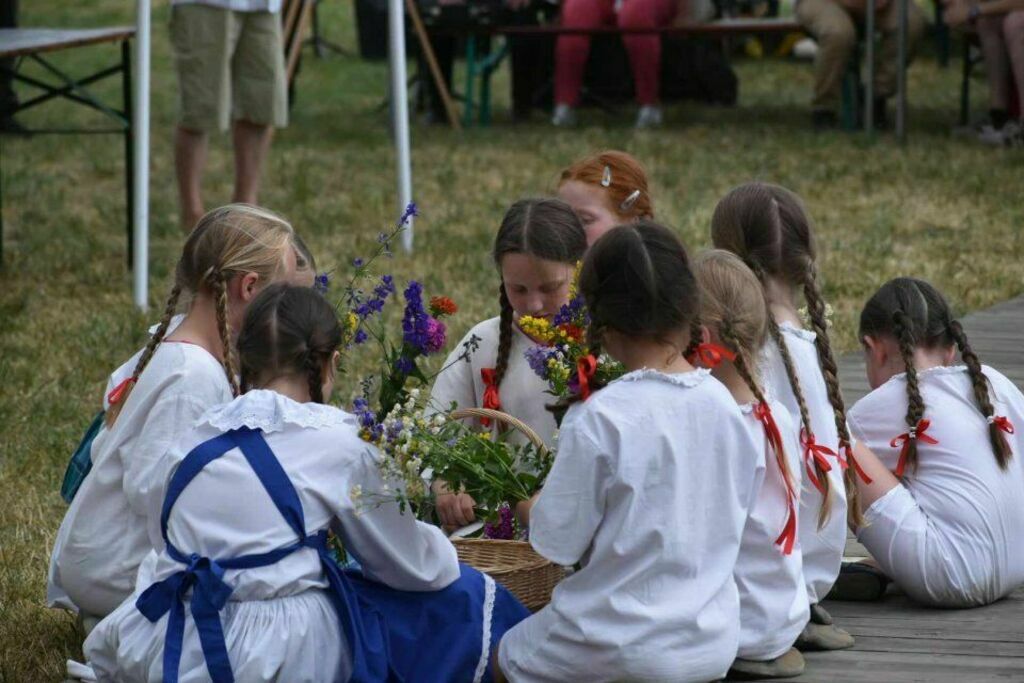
(513, 564)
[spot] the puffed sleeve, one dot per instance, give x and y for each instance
(392, 548)
(571, 505)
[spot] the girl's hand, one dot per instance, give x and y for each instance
(454, 509)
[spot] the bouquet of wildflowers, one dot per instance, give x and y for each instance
(417, 446)
(562, 357)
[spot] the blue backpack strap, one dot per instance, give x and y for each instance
(363, 627)
(81, 460)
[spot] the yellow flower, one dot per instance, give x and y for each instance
(575, 284)
(538, 328)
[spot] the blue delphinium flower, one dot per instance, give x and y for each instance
(414, 321)
(410, 212)
(321, 283)
(360, 336)
(367, 419)
(404, 365)
(537, 358)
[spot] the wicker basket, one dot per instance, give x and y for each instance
(514, 564)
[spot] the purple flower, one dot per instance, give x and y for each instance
(504, 529)
(404, 365)
(410, 212)
(574, 312)
(367, 418)
(414, 322)
(357, 262)
(380, 295)
(321, 283)
(537, 357)
(360, 336)
(436, 335)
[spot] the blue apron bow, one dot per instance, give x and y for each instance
(363, 626)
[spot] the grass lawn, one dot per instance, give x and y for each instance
(941, 208)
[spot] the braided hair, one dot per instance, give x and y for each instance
(288, 331)
(916, 315)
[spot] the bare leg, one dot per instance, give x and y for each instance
(189, 161)
(997, 64)
(1013, 31)
(251, 141)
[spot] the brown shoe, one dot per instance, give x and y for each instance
(787, 665)
(823, 637)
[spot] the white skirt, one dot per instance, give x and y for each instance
(294, 638)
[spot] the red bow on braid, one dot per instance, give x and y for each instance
(915, 434)
(118, 392)
(1002, 423)
(846, 459)
(814, 452)
(711, 355)
(492, 398)
(585, 369)
(788, 536)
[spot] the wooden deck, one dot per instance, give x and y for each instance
(900, 642)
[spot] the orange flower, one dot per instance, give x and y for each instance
(442, 305)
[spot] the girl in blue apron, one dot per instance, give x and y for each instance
(244, 587)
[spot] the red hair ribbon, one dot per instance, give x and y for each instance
(763, 412)
(1002, 423)
(915, 434)
(585, 369)
(814, 452)
(847, 459)
(711, 355)
(117, 393)
(492, 398)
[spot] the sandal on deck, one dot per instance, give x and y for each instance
(859, 582)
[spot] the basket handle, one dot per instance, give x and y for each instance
(507, 419)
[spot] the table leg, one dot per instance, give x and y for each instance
(467, 114)
(901, 71)
(129, 147)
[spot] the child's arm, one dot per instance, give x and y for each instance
(392, 548)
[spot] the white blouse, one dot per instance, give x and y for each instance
(103, 537)
(650, 491)
(974, 550)
(523, 394)
(822, 548)
(273, 609)
(773, 599)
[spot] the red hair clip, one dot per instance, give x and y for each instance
(915, 434)
(118, 393)
(492, 397)
(1001, 422)
(710, 355)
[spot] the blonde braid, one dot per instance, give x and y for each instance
(218, 284)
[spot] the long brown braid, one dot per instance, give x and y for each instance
(903, 329)
(505, 331)
(696, 337)
(218, 285)
(830, 371)
(161, 331)
(1000, 446)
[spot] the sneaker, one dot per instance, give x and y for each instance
(649, 116)
(821, 634)
(859, 582)
(564, 116)
(787, 665)
(988, 134)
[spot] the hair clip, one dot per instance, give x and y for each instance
(606, 177)
(912, 433)
(629, 201)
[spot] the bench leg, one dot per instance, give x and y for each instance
(965, 84)
(467, 112)
(129, 149)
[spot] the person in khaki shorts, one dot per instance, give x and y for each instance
(230, 63)
(832, 23)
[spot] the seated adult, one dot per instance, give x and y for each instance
(833, 23)
(571, 51)
(1000, 26)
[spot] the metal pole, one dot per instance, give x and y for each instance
(400, 111)
(140, 270)
(901, 71)
(869, 59)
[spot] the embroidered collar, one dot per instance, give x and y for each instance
(270, 411)
(799, 332)
(937, 371)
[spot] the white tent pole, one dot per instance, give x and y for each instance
(140, 264)
(400, 111)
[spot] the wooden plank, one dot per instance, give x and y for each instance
(721, 27)
(932, 629)
(867, 642)
(851, 666)
(17, 42)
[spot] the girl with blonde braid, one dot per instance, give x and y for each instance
(769, 570)
(943, 512)
(768, 228)
(232, 254)
(536, 251)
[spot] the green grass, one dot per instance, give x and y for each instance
(941, 208)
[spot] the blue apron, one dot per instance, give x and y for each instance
(393, 635)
